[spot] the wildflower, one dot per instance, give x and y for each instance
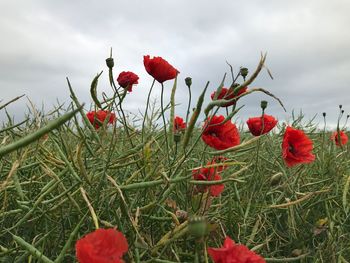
(296, 147)
(159, 68)
(343, 138)
(234, 253)
(179, 124)
(220, 135)
(208, 174)
(97, 118)
(261, 125)
(228, 94)
(126, 79)
(102, 246)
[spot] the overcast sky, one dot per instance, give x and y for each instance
(43, 42)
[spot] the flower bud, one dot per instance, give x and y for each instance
(110, 62)
(197, 226)
(188, 82)
(177, 137)
(340, 106)
(263, 104)
(324, 114)
(342, 112)
(244, 72)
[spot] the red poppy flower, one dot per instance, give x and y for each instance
(179, 124)
(233, 253)
(217, 160)
(126, 79)
(101, 246)
(228, 94)
(208, 174)
(343, 138)
(261, 125)
(159, 68)
(220, 136)
(296, 147)
(97, 118)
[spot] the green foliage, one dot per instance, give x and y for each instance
(73, 179)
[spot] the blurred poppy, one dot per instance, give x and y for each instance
(208, 174)
(126, 79)
(159, 68)
(220, 135)
(234, 253)
(97, 118)
(102, 246)
(228, 94)
(296, 147)
(179, 124)
(261, 125)
(343, 138)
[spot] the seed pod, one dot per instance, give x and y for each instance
(93, 90)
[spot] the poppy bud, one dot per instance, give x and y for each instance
(197, 226)
(110, 62)
(244, 72)
(263, 104)
(342, 112)
(324, 114)
(188, 82)
(177, 137)
(340, 106)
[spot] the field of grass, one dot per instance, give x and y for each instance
(61, 178)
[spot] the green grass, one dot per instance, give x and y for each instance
(41, 201)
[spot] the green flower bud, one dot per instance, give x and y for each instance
(244, 72)
(188, 82)
(263, 104)
(177, 137)
(110, 62)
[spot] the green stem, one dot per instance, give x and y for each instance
(164, 123)
(145, 115)
(189, 104)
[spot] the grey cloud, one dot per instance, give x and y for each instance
(307, 44)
